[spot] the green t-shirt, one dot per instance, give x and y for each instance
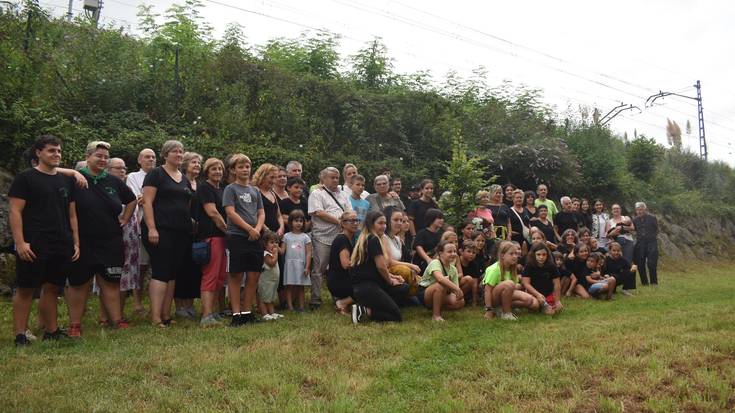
(493, 276)
(550, 205)
(435, 265)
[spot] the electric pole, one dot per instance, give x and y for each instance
(700, 113)
(69, 14)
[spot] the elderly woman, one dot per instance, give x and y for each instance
(646, 245)
(567, 218)
(500, 211)
(187, 285)
(166, 230)
(620, 228)
(101, 217)
(382, 198)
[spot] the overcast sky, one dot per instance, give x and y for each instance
(578, 52)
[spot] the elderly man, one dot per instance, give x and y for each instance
(566, 219)
(326, 204)
(382, 198)
(646, 246)
(295, 170)
(147, 161)
(116, 167)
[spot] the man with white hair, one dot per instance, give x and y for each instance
(645, 252)
(383, 198)
(326, 204)
(147, 161)
(566, 219)
(295, 170)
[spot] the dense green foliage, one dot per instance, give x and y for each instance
(299, 99)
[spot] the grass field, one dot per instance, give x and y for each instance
(670, 348)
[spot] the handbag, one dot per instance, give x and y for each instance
(526, 231)
(201, 252)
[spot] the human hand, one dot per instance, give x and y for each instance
(153, 237)
(253, 234)
(25, 252)
(76, 253)
(80, 180)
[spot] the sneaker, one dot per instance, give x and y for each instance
(56, 335)
(249, 318)
(359, 314)
(21, 340)
(628, 293)
(217, 316)
(269, 317)
(509, 317)
(209, 321)
(30, 336)
(183, 313)
(225, 313)
(75, 330)
(237, 320)
(192, 312)
(277, 315)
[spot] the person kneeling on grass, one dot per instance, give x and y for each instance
(373, 286)
(540, 278)
(440, 285)
(502, 291)
(590, 282)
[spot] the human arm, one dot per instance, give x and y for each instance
(344, 259)
(74, 225)
(235, 219)
(381, 264)
(325, 216)
(149, 195)
(80, 180)
(526, 283)
(422, 253)
(210, 208)
(128, 212)
(572, 285)
(447, 283)
(271, 259)
(16, 226)
(557, 294)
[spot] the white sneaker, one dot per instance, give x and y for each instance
(269, 317)
(509, 317)
(277, 315)
(30, 336)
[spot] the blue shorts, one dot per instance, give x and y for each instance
(596, 288)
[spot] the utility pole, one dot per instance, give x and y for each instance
(700, 113)
(622, 107)
(69, 14)
(91, 6)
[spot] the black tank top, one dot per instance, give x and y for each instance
(271, 212)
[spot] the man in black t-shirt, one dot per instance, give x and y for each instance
(566, 219)
(44, 225)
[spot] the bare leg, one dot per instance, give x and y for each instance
(208, 298)
(289, 297)
(167, 299)
(233, 287)
(611, 283)
(48, 307)
(251, 287)
(22, 303)
(565, 283)
(301, 293)
(580, 291)
(434, 297)
(77, 297)
(157, 292)
(111, 293)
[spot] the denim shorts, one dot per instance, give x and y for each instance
(596, 288)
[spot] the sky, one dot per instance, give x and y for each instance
(579, 53)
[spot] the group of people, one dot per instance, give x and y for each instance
(250, 242)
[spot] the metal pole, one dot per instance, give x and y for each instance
(702, 141)
(69, 14)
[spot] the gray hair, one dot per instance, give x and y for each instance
(293, 163)
(565, 199)
(188, 157)
(641, 205)
(380, 178)
(94, 145)
(169, 146)
(328, 170)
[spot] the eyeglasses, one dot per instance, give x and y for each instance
(119, 167)
(351, 221)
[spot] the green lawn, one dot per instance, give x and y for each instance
(670, 348)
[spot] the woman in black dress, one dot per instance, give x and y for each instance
(265, 179)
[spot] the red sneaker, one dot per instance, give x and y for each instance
(75, 330)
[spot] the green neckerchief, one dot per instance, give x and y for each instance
(85, 171)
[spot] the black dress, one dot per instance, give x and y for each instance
(271, 211)
(188, 285)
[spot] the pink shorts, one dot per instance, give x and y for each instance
(550, 299)
(214, 273)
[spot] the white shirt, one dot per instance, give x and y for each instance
(134, 181)
(320, 200)
(347, 189)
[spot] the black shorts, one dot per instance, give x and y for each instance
(98, 256)
(420, 293)
(172, 254)
(244, 255)
(339, 287)
(46, 268)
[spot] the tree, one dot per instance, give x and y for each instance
(642, 156)
(371, 66)
(463, 179)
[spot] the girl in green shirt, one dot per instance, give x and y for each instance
(439, 286)
(502, 290)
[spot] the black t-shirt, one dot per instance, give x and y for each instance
(542, 279)
(601, 250)
(564, 272)
(171, 206)
(335, 271)
(46, 213)
(646, 227)
(585, 220)
(417, 210)
(287, 206)
(515, 224)
(547, 229)
(618, 267)
(566, 220)
(474, 269)
(527, 215)
(368, 271)
(428, 240)
(100, 205)
(580, 271)
(501, 214)
(271, 211)
(208, 194)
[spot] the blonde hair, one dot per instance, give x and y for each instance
(359, 253)
(209, 163)
(506, 247)
(262, 172)
(94, 145)
(494, 188)
(480, 194)
(237, 159)
(446, 235)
